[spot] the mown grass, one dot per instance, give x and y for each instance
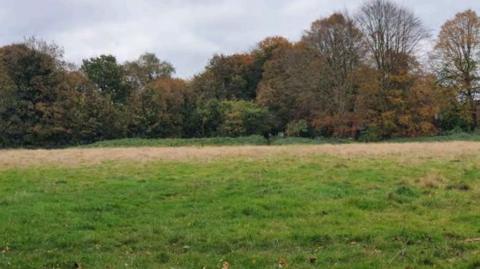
(260, 140)
(289, 212)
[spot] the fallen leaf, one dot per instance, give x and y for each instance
(282, 263)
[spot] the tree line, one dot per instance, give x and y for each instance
(356, 77)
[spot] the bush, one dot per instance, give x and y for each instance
(297, 128)
(308, 141)
(371, 134)
(243, 118)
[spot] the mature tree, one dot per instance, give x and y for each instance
(30, 83)
(42, 104)
(458, 59)
(262, 53)
(49, 48)
(228, 78)
(339, 43)
(414, 101)
(210, 117)
(90, 116)
(9, 121)
(392, 35)
(338, 40)
(266, 48)
(158, 110)
(422, 106)
(292, 86)
(146, 69)
(390, 32)
(108, 76)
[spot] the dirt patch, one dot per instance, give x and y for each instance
(76, 157)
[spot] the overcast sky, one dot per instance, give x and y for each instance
(184, 32)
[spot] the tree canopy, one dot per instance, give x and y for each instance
(357, 77)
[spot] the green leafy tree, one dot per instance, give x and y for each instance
(158, 110)
(91, 116)
(297, 128)
(108, 76)
(243, 118)
(146, 69)
(457, 62)
(210, 117)
(30, 82)
(228, 78)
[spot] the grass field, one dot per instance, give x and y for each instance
(409, 205)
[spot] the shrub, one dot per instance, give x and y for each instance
(297, 128)
(243, 118)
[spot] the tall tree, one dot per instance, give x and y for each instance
(108, 75)
(9, 118)
(90, 116)
(458, 59)
(30, 87)
(292, 86)
(392, 35)
(228, 78)
(339, 43)
(262, 53)
(390, 32)
(158, 110)
(146, 69)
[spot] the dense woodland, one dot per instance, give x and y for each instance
(363, 76)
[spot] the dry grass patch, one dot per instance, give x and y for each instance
(431, 181)
(405, 152)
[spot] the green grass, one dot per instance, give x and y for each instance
(312, 212)
(260, 140)
(179, 142)
(475, 137)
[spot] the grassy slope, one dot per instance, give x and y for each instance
(259, 140)
(313, 212)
